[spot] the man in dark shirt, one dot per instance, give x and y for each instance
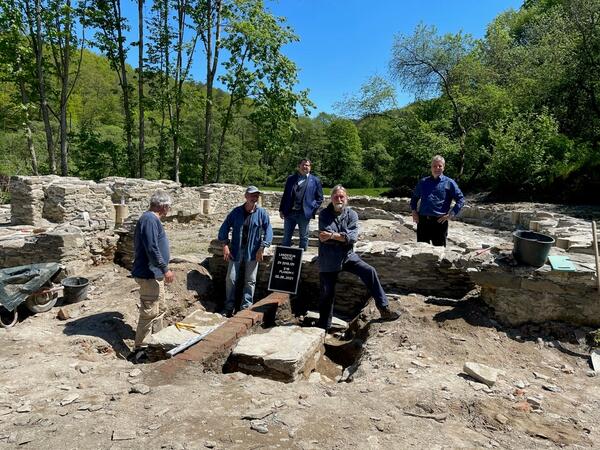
(435, 194)
(250, 230)
(338, 232)
(302, 197)
(151, 269)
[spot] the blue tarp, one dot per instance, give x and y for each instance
(18, 283)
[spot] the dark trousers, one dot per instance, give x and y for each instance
(328, 280)
(431, 231)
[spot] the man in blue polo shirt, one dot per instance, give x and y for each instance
(435, 194)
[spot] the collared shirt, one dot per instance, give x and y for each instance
(299, 189)
(436, 195)
(333, 254)
(260, 232)
(151, 248)
(311, 199)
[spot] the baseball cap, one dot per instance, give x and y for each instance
(252, 190)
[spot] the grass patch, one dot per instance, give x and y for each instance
(371, 192)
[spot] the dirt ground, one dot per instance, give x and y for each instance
(67, 384)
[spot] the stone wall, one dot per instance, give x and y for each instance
(27, 199)
(136, 193)
(415, 267)
(222, 197)
(40, 200)
(67, 207)
(77, 199)
(65, 244)
(521, 294)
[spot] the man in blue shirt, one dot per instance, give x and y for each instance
(251, 232)
(302, 197)
(150, 269)
(338, 232)
(435, 194)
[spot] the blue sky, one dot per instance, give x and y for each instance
(344, 42)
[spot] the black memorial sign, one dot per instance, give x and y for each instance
(285, 271)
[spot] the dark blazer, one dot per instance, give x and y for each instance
(313, 196)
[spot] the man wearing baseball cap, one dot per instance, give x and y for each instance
(245, 233)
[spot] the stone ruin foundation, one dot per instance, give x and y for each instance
(72, 221)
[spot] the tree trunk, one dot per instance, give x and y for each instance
(212, 60)
(64, 91)
(222, 139)
(125, 88)
(141, 85)
(64, 145)
(28, 132)
(35, 25)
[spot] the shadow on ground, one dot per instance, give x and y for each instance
(568, 339)
(109, 326)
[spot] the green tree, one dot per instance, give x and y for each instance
(343, 159)
(376, 96)
(425, 63)
(15, 64)
(524, 153)
(107, 18)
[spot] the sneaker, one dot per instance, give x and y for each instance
(387, 314)
(138, 356)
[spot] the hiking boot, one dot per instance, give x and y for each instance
(387, 314)
(226, 313)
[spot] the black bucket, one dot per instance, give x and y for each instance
(531, 248)
(75, 289)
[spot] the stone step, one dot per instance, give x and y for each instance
(312, 242)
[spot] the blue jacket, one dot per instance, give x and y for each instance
(436, 196)
(333, 254)
(151, 248)
(260, 232)
(313, 196)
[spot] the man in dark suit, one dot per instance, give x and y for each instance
(302, 197)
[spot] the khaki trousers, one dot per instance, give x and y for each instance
(152, 293)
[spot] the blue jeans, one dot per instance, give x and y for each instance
(328, 280)
(251, 269)
(289, 225)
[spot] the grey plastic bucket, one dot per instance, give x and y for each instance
(531, 248)
(75, 289)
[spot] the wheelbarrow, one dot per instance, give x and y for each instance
(31, 284)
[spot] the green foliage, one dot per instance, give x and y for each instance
(98, 154)
(516, 113)
(520, 145)
(343, 161)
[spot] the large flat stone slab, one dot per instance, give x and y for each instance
(283, 353)
(171, 336)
